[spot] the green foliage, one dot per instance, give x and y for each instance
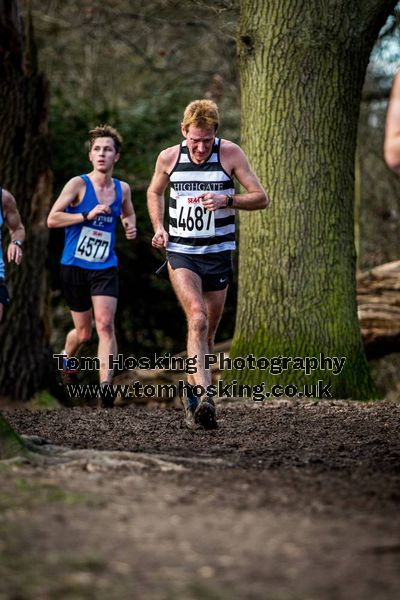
(43, 401)
(147, 127)
(136, 66)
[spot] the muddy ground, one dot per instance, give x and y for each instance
(286, 501)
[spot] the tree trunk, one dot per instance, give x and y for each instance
(302, 67)
(24, 171)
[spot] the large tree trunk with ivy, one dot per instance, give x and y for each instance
(24, 171)
(302, 67)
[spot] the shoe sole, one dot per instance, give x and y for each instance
(205, 416)
(102, 404)
(105, 402)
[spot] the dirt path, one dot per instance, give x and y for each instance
(286, 501)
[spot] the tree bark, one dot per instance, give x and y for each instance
(302, 67)
(24, 171)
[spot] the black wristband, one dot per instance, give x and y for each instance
(17, 243)
(85, 215)
(229, 201)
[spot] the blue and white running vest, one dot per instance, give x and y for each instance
(2, 269)
(90, 244)
(192, 228)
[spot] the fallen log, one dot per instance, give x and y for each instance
(378, 299)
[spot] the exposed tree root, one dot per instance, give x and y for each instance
(39, 452)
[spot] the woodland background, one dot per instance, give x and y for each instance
(137, 66)
(287, 499)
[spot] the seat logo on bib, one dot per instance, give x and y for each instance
(93, 245)
(194, 221)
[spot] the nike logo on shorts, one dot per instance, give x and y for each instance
(223, 280)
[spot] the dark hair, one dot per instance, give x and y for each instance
(105, 131)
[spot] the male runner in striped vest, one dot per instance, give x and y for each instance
(10, 216)
(201, 236)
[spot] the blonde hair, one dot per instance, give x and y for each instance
(201, 113)
(105, 131)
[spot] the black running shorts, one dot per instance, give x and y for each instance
(4, 295)
(79, 285)
(214, 268)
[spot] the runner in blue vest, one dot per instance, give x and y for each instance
(202, 205)
(10, 216)
(89, 207)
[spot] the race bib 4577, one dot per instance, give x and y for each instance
(93, 245)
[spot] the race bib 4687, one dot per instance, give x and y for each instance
(93, 245)
(193, 220)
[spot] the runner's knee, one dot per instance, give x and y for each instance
(105, 326)
(198, 321)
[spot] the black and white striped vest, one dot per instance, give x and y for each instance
(192, 228)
